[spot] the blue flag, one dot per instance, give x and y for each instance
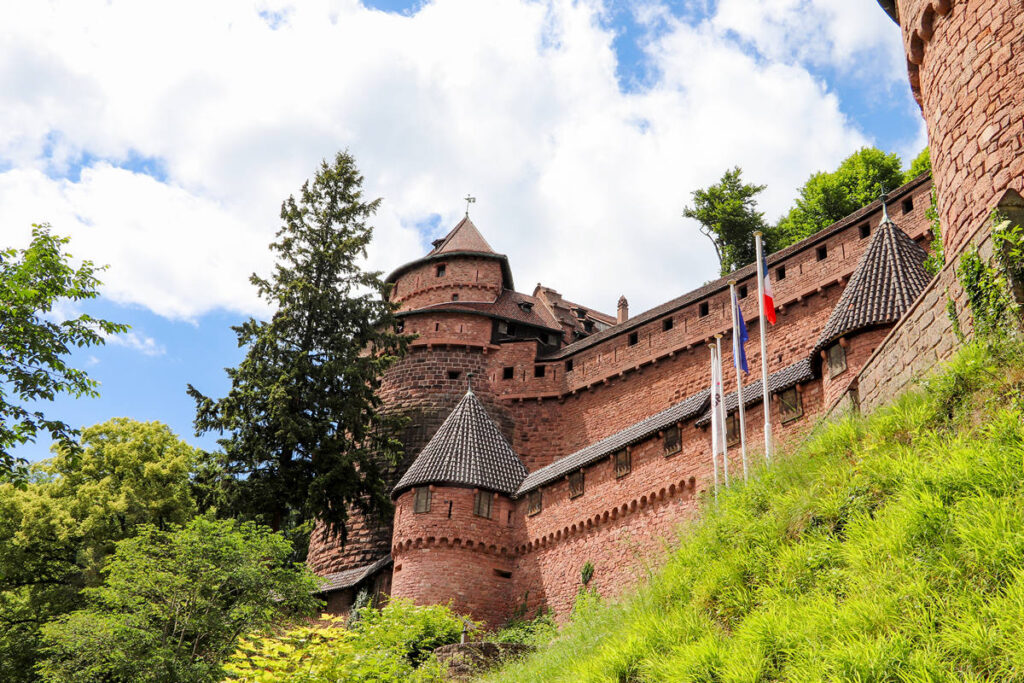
(739, 338)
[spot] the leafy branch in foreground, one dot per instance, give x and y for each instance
(34, 347)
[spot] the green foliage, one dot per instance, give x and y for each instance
(57, 531)
(994, 312)
(922, 163)
(306, 438)
(587, 572)
(174, 604)
(936, 252)
(536, 631)
(886, 548)
(395, 643)
(728, 215)
(34, 346)
(827, 197)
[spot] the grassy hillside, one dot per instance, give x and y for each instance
(886, 548)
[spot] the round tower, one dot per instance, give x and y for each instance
(965, 60)
(452, 539)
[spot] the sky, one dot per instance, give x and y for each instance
(163, 137)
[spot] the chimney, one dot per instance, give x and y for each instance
(623, 310)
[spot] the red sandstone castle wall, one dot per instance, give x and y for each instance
(473, 279)
(966, 64)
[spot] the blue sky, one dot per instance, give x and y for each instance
(582, 127)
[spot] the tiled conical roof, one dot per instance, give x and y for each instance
(888, 278)
(467, 450)
(463, 237)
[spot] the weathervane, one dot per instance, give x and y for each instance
(469, 200)
(885, 209)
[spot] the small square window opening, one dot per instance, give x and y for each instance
(908, 205)
(672, 441)
(703, 310)
(623, 463)
(666, 324)
(455, 297)
(440, 270)
(634, 337)
(453, 374)
(780, 273)
(534, 504)
(865, 230)
(482, 504)
(508, 373)
(568, 366)
(538, 370)
(576, 484)
(822, 252)
(421, 499)
(742, 291)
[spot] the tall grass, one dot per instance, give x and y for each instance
(885, 548)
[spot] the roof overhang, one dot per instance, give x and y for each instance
(890, 8)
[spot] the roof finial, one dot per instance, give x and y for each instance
(885, 209)
(469, 382)
(469, 200)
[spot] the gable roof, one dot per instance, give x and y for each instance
(888, 277)
(689, 407)
(463, 237)
(467, 450)
(350, 577)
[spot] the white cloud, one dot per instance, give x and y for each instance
(516, 102)
(147, 346)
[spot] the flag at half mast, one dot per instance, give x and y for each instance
(740, 337)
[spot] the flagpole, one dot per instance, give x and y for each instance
(714, 421)
(722, 431)
(764, 348)
(739, 382)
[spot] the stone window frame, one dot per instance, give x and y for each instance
(534, 503)
(732, 428)
(576, 484)
(622, 462)
(508, 372)
(703, 309)
(791, 405)
(666, 324)
(633, 339)
(780, 272)
(672, 446)
(821, 252)
(743, 292)
(421, 496)
(835, 356)
(483, 504)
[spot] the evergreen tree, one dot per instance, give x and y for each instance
(306, 437)
(728, 215)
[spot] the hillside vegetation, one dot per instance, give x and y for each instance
(885, 548)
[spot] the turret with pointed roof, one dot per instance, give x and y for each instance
(467, 450)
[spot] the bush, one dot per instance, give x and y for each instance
(395, 643)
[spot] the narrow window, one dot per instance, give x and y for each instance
(437, 327)
(453, 374)
(672, 442)
(455, 297)
(790, 407)
(440, 270)
(865, 230)
(823, 252)
(502, 573)
(666, 324)
(732, 429)
(836, 360)
(502, 327)
(508, 373)
(702, 310)
(576, 484)
(538, 370)
(533, 503)
(743, 291)
(482, 504)
(908, 205)
(623, 464)
(421, 499)
(568, 366)
(634, 337)
(780, 273)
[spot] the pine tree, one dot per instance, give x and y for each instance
(306, 435)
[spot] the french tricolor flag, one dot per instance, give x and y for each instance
(769, 300)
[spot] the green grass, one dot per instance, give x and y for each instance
(884, 548)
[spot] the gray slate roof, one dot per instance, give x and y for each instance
(350, 577)
(789, 376)
(688, 408)
(467, 450)
(889, 276)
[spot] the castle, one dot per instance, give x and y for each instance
(544, 435)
